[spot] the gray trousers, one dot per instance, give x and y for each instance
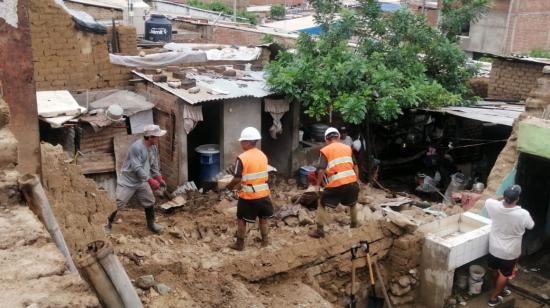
(143, 193)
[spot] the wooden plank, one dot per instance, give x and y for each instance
(97, 163)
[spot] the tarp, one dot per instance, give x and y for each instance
(159, 59)
(57, 103)
(129, 101)
(84, 21)
(219, 52)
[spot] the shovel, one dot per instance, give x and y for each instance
(372, 301)
(352, 298)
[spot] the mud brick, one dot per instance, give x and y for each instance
(257, 67)
(188, 83)
(240, 67)
(180, 75)
(230, 73)
(160, 78)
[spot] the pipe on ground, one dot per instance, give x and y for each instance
(116, 272)
(94, 274)
(36, 198)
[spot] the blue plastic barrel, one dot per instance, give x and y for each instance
(304, 172)
(209, 156)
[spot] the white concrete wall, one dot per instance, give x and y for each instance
(237, 114)
(487, 35)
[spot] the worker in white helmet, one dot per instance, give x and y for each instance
(252, 173)
(339, 170)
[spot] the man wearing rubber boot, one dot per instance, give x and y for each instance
(251, 171)
(140, 176)
(339, 171)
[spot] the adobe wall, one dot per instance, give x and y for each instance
(16, 82)
(227, 34)
(97, 12)
(513, 80)
(69, 59)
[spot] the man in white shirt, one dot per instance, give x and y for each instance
(509, 222)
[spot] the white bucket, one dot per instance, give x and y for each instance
(475, 286)
(477, 273)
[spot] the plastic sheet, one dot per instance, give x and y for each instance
(159, 59)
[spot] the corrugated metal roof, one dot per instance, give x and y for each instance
(521, 59)
(502, 113)
(217, 87)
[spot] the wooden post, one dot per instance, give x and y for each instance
(38, 202)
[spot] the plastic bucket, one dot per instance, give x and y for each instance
(209, 159)
(477, 273)
(304, 172)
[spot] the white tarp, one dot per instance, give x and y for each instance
(277, 108)
(159, 59)
(57, 103)
(219, 52)
(191, 116)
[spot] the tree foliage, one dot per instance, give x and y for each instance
(397, 61)
(457, 14)
(217, 6)
(278, 11)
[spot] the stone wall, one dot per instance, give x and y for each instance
(513, 80)
(69, 59)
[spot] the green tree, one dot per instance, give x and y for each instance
(278, 11)
(458, 14)
(396, 62)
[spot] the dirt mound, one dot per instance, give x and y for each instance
(80, 208)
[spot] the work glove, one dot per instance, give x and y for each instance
(160, 179)
(154, 184)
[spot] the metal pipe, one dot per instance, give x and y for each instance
(116, 272)
(98, 279)
(37, 200)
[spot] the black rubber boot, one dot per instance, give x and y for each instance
(110, 221)
(264, 230)
(150, 217)
(241, 234)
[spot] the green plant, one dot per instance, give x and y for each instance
(398, 62)
(278, 11)
(540, 53)
(458, 14)
(217, 6)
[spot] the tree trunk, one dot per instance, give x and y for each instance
(366, 155)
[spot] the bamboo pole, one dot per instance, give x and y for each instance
(38, 202)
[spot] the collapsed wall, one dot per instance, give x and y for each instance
(79, 206)
(535, 104)
(69, 59)
(34, 272)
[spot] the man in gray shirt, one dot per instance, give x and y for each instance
(140, 176)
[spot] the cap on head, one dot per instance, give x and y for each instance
(250, 134)
(331, 132)
(153, 130)
(512, 193)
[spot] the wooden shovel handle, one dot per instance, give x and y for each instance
(379, 276)
(371, 274)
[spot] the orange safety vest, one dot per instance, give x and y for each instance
(254, 180)
(339, 165)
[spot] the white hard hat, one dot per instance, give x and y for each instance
(250, 134)
(331, 130)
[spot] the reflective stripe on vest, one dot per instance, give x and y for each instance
(340, 165)
(254, 188)
(254, 176)
(341, 175)
(337, 161)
